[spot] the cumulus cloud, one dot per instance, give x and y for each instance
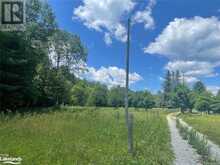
(110, 76)
(108, 39)
(191, 45)
(106, 16)
(189, 39)
(145, 16)
(192, 68)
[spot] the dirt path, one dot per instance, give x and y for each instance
(184, 153)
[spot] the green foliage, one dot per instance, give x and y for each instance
(172, 80)
(199, 87)
(17, 69)
(79, 94)
(181, 98)
(203, 102)
(218, 95)
(116, 97)
(167, 89)
(142, 99)
(98, 96)
(28, 75)
(215, 105)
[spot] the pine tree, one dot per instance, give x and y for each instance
(177, 77)
(199, 87)
(167, 89)
(17, 67)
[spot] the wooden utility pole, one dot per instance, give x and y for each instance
(128, 117)
(130, 133)
(127, 72)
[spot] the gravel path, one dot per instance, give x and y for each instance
(184, 153)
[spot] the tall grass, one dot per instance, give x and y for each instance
(85, 137)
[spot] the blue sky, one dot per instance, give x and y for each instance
(166, 34)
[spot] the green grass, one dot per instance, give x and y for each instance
(87, 137)
(206, 124)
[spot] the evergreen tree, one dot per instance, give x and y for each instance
(181, 98)
(199, 87)
(17, 69)
(177, 78)
(167, 89)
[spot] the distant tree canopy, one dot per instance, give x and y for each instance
(116, 96)
(143, 99)
(177, 94)
(98, 96)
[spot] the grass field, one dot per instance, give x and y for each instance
(86, 137)
(206, 124)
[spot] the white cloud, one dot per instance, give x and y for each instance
(189, 39)
(213, 89)
(108, 39)
(111, 76)
(106, 16)
(192, 68)
(145, 16)
(191, 45)
(190, 80)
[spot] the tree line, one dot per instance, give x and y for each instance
(94, 94)
(177, 94)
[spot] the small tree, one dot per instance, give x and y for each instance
(79, 94)
(167, 89)
(116, 97)
(98, 96)
(204, 101)
(181, 98)
(199, 87)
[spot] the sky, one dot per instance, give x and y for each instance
(165, 35)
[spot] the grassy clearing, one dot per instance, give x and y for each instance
(87, 137)
(206, 124)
